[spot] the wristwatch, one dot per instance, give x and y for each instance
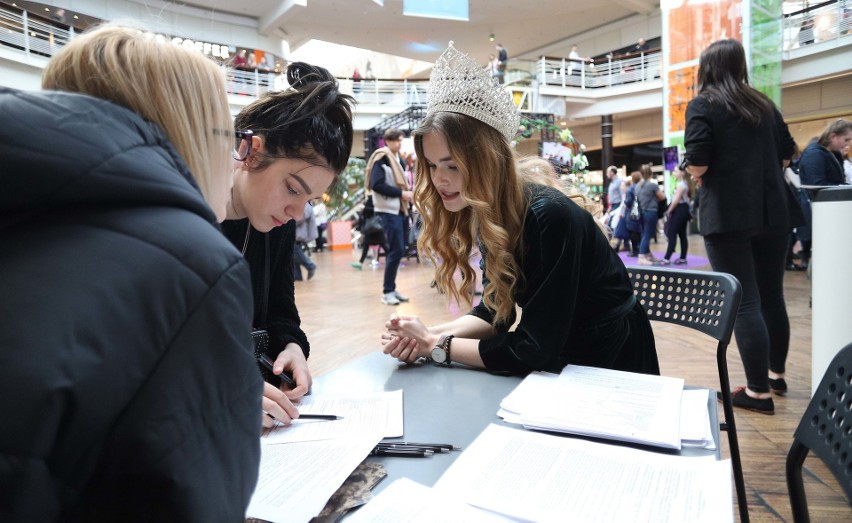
(441, 351)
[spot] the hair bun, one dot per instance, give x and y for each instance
(300, 74)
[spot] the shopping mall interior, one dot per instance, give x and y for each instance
(613, 95)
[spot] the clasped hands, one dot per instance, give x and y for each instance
(277, 404)
(407, 338)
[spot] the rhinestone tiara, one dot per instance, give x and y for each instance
(460, 85)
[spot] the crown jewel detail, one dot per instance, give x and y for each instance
(460, 85)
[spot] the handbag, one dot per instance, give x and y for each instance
(373, 225)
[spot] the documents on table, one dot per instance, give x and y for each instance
(405, 501)
(540, 477)
(600, 403)
(695, 430)
(296, 479)
(362, 414)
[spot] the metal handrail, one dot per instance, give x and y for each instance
(35, 35)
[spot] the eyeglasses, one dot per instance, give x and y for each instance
(242, 144)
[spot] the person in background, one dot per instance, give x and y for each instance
(391, 196)
(821, 164)
(292, 146)
(648, 193)
(678, 216)
(633, 226)
(541, 249)
(847, 165)
(641, 46)
(126, 365)
(306, 232)
(502, 62)
(737, 145)
(321, 217)
(614, 192)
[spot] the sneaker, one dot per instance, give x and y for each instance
(778, 386)
(399, 296)
(390, 298)
(664, 261)
(632, 254)
(680, 261)
(646, 259)
(356, 265)
(741, 399)
(311, 272)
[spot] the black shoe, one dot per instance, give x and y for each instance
(741, 399)
(794, 267)
(778, 386)
(311, 272)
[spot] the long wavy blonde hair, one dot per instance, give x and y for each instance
(178, 89)
(496, 185)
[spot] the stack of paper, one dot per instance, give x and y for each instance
(304, 463)
(540, 477)
(602, 403)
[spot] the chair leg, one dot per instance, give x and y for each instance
(731, 427)
(795, 486)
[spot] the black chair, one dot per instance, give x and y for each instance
(825, 430)
(707, 302)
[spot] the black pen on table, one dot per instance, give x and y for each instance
(401, 453)
(447, 446)
(267, 364)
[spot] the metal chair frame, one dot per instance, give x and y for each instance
(707, 302)
(825, 430)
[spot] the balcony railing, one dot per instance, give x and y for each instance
(35, 35)
(818, 23)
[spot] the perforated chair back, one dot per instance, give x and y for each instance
(707, 302)
(825, 430)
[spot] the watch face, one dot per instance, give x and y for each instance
(439, 355)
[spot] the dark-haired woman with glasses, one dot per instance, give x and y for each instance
(290, 147)
(736, 147)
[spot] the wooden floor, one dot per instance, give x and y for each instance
(343, 318)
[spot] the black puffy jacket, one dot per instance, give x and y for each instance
(128, 391)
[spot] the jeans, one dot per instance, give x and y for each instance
(649, 228)
(762, 329)
(394, 225)
(300, 259)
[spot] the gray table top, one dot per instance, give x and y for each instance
(443, 405)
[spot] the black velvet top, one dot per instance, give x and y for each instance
(578, 304)
(282, 318)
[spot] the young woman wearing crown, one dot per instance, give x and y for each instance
(540, 250)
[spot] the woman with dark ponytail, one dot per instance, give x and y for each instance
(291, 147)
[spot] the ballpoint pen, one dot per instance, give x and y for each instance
(400, 453)
(447, 446)
(267, 364)
(402, 446)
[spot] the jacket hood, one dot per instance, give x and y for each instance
(66, 152)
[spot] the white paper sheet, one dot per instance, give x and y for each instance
(601, 403)
(296, 480)
(405, 501)
(695, 430)
(362, 414)
(540, 477)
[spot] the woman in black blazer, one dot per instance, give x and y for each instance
(736, 147)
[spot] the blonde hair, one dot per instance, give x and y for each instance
(497, 187)
(178, 89)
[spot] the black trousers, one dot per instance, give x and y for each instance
(677, 229)
(762, 329)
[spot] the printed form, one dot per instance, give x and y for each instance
(296, 480)
(362, 414)
(541, 477)
(600, 403)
